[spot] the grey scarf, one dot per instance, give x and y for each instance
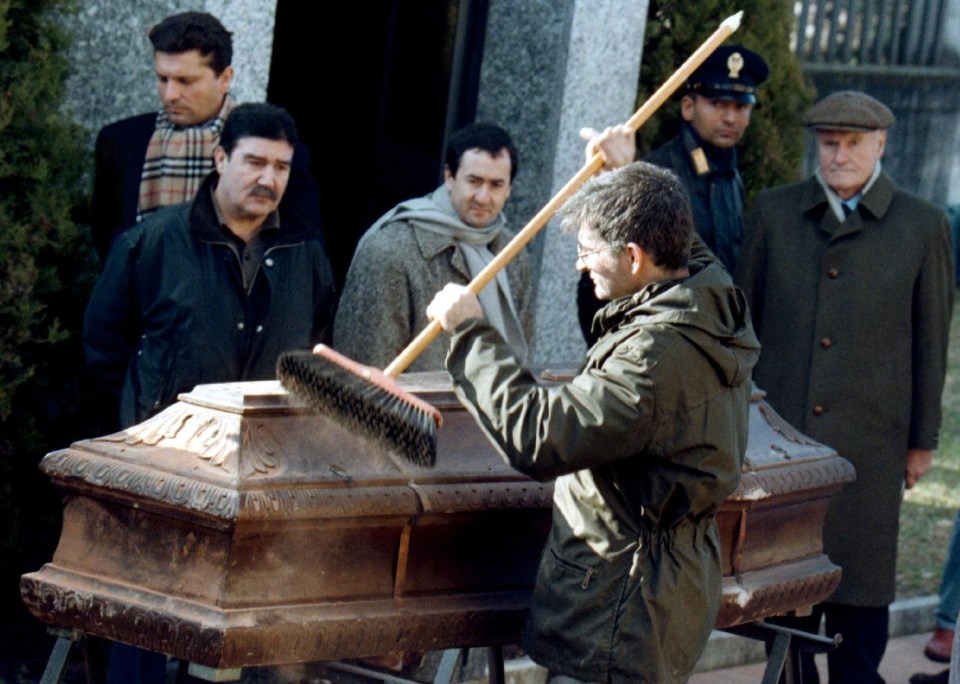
(435, 213)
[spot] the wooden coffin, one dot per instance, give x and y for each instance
(238, 528)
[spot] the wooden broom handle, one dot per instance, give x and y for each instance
(520, 240)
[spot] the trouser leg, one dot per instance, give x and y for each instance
(132, 665)
(949, 606)
(865, 631)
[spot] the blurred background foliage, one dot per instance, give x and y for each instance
(772, 150)
(46, 272)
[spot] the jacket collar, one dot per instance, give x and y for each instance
(432, 244)
(205, 225)
(876, 203)
(721, 161)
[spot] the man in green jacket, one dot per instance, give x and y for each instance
(645, 442)
(850, 283)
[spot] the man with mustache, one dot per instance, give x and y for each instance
(158, 159)
(420, 245)
(214, 289)
(715, 110)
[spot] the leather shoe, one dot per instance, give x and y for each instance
(924, 678)
(940, 645)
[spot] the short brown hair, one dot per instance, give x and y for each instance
(639, 203)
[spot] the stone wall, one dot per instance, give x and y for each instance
(550, 68)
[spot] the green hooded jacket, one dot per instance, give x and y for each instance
(645, 443)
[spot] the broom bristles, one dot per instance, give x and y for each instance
(363, 399)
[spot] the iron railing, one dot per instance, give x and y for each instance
(858, 32)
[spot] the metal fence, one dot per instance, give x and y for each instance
(883, 32)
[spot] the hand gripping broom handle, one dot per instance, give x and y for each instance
(520, 240)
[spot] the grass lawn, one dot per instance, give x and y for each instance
(930, 508)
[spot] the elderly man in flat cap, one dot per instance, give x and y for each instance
(715, 111)
(850, 284)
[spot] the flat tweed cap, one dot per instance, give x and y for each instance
(849, 110)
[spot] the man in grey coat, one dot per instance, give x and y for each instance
(417, 247)
(850, 283)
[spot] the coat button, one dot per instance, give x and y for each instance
(826, 343)
(833, 272)
(240, 326)
(259, 328)
(268, 261)
(818, 410)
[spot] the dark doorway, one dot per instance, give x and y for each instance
(375, 87)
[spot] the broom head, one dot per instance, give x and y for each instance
(364, 400)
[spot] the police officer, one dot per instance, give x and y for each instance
(715, 110)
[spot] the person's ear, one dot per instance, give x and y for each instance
(220, 159)
(687, 103)
(637, 257)
(225, 79)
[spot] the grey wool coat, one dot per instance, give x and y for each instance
(393, 278)
(853, 320)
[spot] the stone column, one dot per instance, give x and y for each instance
(550, 68)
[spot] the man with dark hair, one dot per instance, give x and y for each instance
(198, 31)
(850, 283)
(480, 136)
(645, 442)
(421, 244)
(155, 160)
(214, 289)
(715, 112)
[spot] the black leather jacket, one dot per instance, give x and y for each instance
(170, 311)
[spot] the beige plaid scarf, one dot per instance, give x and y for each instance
(178, 158)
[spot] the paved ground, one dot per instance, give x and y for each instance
(904, 657)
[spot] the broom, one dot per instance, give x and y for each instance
(370, 401)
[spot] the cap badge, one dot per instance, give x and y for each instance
(735, 64)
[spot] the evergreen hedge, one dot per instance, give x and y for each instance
(46, 272)
(772, 150)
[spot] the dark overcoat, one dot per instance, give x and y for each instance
(853, 320)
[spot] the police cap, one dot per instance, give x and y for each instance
(849, 110)
(731, 72)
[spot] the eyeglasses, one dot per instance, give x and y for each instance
(581, 255)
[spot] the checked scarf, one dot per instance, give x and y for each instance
(178, 158)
